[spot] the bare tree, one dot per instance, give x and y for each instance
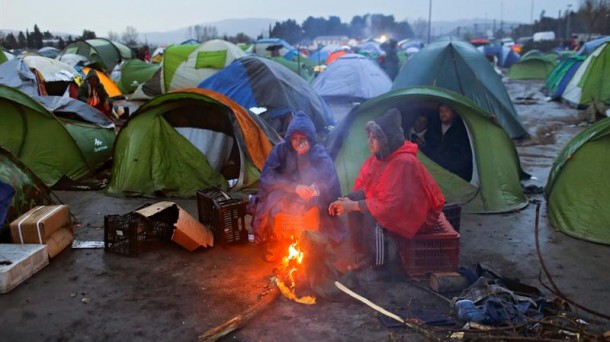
(113, 36)
(420, 28)
(594, 11)
(202, 33)
(130, 36)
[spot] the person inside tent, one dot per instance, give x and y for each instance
(298, 176)
(394, 194)
(447, 143)
(417, 133)
(274, 50)
(92, 92)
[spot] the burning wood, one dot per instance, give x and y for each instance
(291, 264)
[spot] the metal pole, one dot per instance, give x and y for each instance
(429, 20)
(568, 23)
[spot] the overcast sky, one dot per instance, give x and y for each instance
(73, 16)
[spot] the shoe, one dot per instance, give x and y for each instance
(367, 275)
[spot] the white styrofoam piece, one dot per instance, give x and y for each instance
(25, 260)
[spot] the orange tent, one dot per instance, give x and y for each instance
(331, 58)
(111, 88)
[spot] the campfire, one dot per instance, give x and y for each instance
(285, 274)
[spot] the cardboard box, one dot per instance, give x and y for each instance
(191, 234)
(59, 240)
(39, 223)
(23, 262)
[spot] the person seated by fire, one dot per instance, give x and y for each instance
(447, 143)
(299, 179)
(394, 195)
(92, 92)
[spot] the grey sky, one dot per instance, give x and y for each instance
(72, 16)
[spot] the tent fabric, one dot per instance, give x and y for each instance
(159, 150)
(561, 75)
(505, 56)
(20, 188)
(352, 77)
(185, 66)
(111, 88)
(17, 74)
(69, 108)
(590, 46)
(458, 66)
(258, 82)
(532, 67)
(578, 185)
(590, 81)
(495, 185)
(108, 53)
(51, 147)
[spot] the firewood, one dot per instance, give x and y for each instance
(241, 319)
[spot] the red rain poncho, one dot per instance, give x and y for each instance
(400, 193)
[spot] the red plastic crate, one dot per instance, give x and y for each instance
(431, 252)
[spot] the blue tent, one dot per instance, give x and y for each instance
(505, 55)
(6, 196)
(253, 81)
(588, 47)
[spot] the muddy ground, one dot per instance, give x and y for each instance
(170, 294)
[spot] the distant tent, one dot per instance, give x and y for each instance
(187, 140)
(20, 188)
(135, 72)
(108, 53)
(458, 66)
(37, 75)
(261, 48)
(590, 46)
(50, 146)
(259, 82)
(350, 80)
(495, 185)
(532, 66)
(591, 82)
(48, 51)
(561, 75)
(185, 66)
(504, 55)
(578, 186)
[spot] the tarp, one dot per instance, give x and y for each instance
(174, 145)
(259, 82)
(591, 82)
(20, 188)
(185, 66)
(495, 185)
(578, 186)
(458, 66)
(50, 146)
(17, 73)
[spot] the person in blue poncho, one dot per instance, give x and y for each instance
(297, 176)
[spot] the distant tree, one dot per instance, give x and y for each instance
(69, 40)
(130, 36)
(88, 35)
(595, 12)
(289, 30)
(10, 42)
(21, 41)
(60, 43)
(113, 36)
(29, 40)
(420, 28)
(241, 38)
(203, 33)
(403, 30)
(47, 35)
(36, 38)
(359, 27)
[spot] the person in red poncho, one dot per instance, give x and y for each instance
(393, 192)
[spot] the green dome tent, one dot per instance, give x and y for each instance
(579, 184)
(495, 185)
(52, 147)
(135, 72)
(591, 82)
(533, 67)
(460, 67)
(188, 140)
(108, 53)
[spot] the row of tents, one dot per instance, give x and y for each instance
(173, 133)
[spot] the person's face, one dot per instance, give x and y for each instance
(300, 143)
(446, 114)
(374, 145)
(420, 124)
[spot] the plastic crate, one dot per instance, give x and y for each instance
(205, 203)
(453, 213)
(131, 234)
(286, 226)
(228, 221)
(431, 252)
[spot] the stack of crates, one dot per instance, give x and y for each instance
(437, 251)
(132, 233)
(225, 216)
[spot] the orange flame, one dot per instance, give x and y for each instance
(290, 262)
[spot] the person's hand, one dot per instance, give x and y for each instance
(305, 192)
(342, 205)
